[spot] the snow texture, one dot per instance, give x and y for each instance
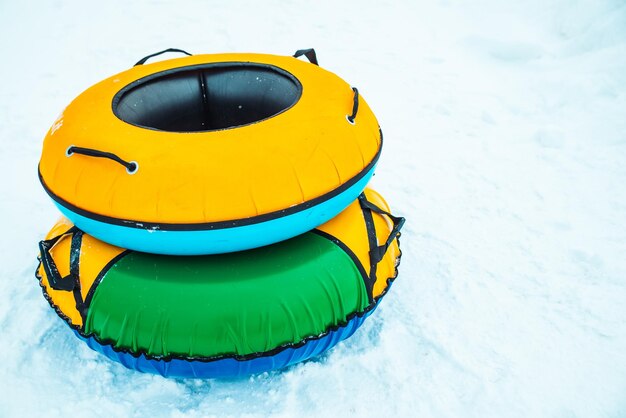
(505, 128)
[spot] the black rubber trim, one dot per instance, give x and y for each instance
(100, 276)
(118, 96)
(245, 357)
(220, 224)
(369, 284)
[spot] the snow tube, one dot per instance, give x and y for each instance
(210, 154)
(228, 315)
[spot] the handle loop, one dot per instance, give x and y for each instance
(309, 53)
(377, 253)
(355, 106)
(67, 283)
(147, 57)
(131, 166)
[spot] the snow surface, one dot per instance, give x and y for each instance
(505, 128)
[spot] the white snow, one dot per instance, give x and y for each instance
(505, 148)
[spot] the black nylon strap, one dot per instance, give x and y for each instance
(147, 57)
(58, 282)
(377, 252)
(131, 166)
(309, 53)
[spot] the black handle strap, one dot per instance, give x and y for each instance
(378, 252)
(131, 166)
(146, 58)
(355, 105)
(309, 53)
(58, 282)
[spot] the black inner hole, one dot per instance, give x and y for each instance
(211, 97)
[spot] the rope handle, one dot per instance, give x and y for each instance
(355, 106)
(131, 166)
(56, 281)
(377, 253)
(309, 53)
(147, 57)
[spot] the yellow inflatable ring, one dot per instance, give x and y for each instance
(210, 153)
(227, 315)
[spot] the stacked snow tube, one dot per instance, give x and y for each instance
(254, 164)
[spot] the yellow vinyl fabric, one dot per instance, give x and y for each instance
(354, 236)
(94, 257)
(201, 177)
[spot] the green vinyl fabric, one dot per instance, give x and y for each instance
(234, 304)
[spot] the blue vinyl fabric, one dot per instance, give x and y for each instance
(229, 367)
(222, 240)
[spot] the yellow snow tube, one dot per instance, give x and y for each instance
(208, 142)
